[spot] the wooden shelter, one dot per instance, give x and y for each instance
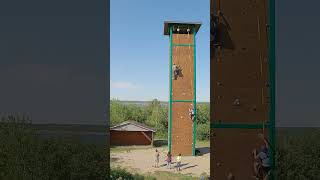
(131, 133)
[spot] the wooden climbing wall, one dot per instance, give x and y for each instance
(239, 71)
(182, 89)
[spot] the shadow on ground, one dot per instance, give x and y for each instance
(160, 142)
(203, 150)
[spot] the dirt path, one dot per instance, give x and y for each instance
(142, 160)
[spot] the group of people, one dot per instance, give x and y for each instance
(168, 160)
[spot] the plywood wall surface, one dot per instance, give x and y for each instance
(182, 89)
(239, 70)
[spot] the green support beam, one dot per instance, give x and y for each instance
(194, 95)
(272, 73)
(170, 97)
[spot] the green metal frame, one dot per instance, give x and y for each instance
(272, 67)
(194, 93)
(170, 99)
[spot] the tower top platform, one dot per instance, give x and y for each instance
(181, 27)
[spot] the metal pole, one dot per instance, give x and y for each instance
(272, 72)
(194, 95)
(170, 96)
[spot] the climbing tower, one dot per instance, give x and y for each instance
(182, 90)
(242, 85)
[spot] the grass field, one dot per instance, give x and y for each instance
(158, 175)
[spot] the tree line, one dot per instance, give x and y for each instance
(155, 115)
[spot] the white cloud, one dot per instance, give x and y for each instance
(124, 85)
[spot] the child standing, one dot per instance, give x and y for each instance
(169, 159)
(178, 162)
(157, 159)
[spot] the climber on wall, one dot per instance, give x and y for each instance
(262, 165)
(214, 30)
(191, 112)
(176, 70)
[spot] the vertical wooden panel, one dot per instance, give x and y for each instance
(239, 70)
(183, 86)
(181, 129)
(232, 152)
(182, 89)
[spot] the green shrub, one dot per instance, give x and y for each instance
(24, 156)
(298, 156)
(203, 131)
(122, 174)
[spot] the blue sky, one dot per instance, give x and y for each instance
(139, 52)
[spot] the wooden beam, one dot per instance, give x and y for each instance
(152, 140)
(146, 136)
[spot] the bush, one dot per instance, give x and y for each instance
(24, 156)
(155, 115)
(298, 157)
(203, 131)
(122, 174)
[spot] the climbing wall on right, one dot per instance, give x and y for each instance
(240, 85)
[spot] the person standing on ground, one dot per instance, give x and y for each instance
(169, 160)
(178, 162)
(157, 156)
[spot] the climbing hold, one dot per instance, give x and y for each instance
(236, 102)
(230, 176)
(219, 83)
(254, 108)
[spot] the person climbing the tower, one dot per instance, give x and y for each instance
(176, 70)
(191, 112)
(262, 164)
(214, 30)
